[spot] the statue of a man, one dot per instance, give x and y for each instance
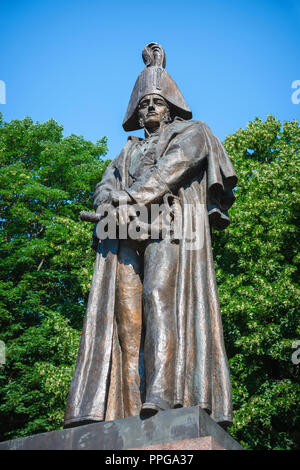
(152, 338)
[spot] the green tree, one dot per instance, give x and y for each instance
(256, 267)
(45, 267)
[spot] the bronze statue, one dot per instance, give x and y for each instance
(152, 338)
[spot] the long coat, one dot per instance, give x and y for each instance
(191, 163)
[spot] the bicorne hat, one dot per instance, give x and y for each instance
(154, 79)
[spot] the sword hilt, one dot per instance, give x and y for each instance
(90, 216)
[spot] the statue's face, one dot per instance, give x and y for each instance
(151, 111)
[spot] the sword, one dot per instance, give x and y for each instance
(90, 216)
(95, 218)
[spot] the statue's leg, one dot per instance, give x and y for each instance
(159, 294)
(129, 322)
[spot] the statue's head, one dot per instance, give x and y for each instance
(154, 81)
(152, 111)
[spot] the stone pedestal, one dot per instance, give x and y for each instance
(198, 443)
(178, 429)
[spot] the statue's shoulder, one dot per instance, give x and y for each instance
(131, 140)
(182, 125)
(199, 124)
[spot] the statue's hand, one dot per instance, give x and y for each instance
(118, 198)
(125, 214)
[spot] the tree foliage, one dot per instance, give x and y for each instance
(46, 268)
(256, 267)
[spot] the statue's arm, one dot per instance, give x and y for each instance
(183, 158)
(106, 185)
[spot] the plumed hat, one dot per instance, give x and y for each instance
(154, 79)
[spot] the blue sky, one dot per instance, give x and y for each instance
(76, 61)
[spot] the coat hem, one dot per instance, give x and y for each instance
(70, 422)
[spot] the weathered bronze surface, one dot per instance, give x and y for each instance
(152, 338)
